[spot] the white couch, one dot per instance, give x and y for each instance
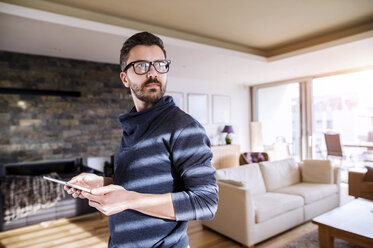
(258, 201)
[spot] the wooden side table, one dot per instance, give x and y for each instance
(225, 156)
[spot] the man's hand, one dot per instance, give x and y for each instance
(110, 199)
(113, 199)
(87, 180)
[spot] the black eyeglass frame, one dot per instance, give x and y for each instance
(150, 64)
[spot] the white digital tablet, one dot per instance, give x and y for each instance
(67, 184)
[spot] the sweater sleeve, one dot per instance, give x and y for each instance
(191, 155)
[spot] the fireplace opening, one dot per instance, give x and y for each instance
(31, 172)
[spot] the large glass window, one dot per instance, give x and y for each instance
(278, 112)
(343, 104)
(299, 114)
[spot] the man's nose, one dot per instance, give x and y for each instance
(152, 72)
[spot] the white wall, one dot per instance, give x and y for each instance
(239, 99)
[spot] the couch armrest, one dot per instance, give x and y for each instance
(337, 175)
(235, 216)
(355, 180)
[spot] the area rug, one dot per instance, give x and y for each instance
(311, 240)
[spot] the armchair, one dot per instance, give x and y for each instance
(357, 186)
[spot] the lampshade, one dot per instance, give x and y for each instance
(228, 129)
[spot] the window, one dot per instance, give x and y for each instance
(343, 104)
(299, 113)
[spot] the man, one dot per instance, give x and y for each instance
(163, 174)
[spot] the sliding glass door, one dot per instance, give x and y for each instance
(278, 111)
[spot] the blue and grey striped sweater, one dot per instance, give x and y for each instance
(163, 150)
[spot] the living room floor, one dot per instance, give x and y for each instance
(91, 230)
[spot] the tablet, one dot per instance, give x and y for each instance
(67, 184)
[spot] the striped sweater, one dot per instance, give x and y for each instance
(163, 150)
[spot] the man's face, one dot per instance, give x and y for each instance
(150, 87)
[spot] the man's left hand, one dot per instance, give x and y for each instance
(113, 199)
(110, 199)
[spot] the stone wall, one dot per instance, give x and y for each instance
(41, 127)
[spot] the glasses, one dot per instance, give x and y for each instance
(142, 66)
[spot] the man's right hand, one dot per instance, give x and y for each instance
(87, 180)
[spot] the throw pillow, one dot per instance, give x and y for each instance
(249, 175)
(369, 175)
(253, 157)
(280, 173)
(317, 171)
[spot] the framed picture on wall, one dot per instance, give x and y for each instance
(198, 107)
(178, 98)
(221, 109)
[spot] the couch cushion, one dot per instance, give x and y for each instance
(249, 175)
(233, 182)
(279, 174)
(317, 171)
(311, 192)
(269, 205)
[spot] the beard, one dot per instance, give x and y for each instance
(148, 95)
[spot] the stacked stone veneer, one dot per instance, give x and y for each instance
(35, 127)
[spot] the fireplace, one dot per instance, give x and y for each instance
(67, 207)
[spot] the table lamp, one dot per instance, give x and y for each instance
(229, 130)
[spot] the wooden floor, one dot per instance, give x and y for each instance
(206, 238)
(92, 231)
(83, 231)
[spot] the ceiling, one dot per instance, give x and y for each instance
(265, 28)
(249, 39)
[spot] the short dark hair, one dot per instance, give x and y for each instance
(143, 38)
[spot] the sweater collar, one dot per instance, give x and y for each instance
(135, 124)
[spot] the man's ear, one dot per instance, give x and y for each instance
(123, 77)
